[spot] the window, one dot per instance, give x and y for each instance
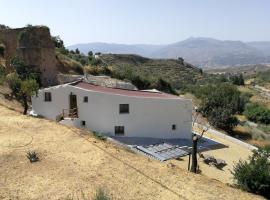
(119, 130)
(123, 108)
(83, 123)
(174, 127)
(85, 99)
(47, 96)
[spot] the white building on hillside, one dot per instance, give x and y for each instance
(113, 111)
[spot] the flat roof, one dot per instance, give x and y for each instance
(125, 92)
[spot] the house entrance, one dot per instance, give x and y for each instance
(73, 109)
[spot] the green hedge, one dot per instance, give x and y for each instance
(257, 113)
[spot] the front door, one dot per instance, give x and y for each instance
(73, 110)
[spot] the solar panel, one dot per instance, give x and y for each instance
(164, 151)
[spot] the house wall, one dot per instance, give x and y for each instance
(148, 117)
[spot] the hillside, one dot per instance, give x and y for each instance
(68, 172)
(245, 69)
(209, 52)
(203, 52)
(263, 46)
(145, 50)
(177, 72)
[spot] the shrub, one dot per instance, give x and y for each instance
(223, 118)
(140, 82)
(99, 136)
(2, 74)
(32, 156)
(219, 103)
(58, 43)
(253, 175)
(257, 113)
(164, 86)
(101, 195)
(237, 79)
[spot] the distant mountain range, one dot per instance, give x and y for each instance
(202, 52)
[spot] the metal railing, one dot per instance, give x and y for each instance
(72, 113)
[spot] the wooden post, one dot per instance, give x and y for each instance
(188, 161)
(194, 154)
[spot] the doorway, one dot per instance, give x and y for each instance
(73, 109)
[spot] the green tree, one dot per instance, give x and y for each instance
(77, 51)
(24, 82)
(253, 175)
(22, 89)
(219, 103)
(164, 86)
(90, 54)
(237, 79)
(58, 43)
(257, 113)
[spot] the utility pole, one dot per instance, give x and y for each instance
(194, 164)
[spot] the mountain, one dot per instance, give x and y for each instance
(174, 71)
(140, 49)
(263, 46)
(202, 52)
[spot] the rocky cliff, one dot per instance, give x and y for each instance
(34, 45)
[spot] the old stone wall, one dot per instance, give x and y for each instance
(35, 47)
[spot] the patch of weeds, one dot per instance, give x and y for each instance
(32, 156)
(99, 136)
(128, 149)
(101, 195)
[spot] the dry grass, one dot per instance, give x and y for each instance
(7, 100)
(72, 161)
(260, 100)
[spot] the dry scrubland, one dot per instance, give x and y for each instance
(74, 162)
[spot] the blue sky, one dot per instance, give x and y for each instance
(142, 21)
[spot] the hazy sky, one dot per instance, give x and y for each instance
(142, 21)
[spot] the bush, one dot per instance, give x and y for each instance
(257, 113)
(219, 103)
(32, 156)
(101, 195)
(253, 175)
(58, 43)
(223, 118)
(2, 74)
(164, 86)
(237, 79)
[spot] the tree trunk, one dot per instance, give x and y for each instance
(25, 104)
(194, 154)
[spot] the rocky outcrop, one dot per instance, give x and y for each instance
(34, 45)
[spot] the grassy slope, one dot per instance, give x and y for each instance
(73, 161)
(170, 69)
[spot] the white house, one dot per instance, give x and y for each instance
(120, 112)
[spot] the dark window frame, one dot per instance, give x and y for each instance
(83, 123)
(119, 130)
(85, 99)
(47, 96)
(174, 127)
(124, 108)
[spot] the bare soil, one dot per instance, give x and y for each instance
(73, 163)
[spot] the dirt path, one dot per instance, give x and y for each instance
(73, 162)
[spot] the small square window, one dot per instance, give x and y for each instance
(47, 96)
(174, 127)
(119, 130)
(123, 108)
(85, 99)
(83, 123)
